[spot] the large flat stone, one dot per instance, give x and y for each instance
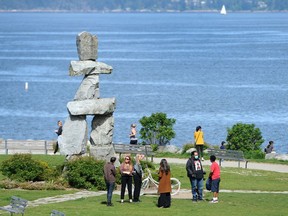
(88, 68)
(101, 106)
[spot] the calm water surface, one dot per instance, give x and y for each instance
(201, 69)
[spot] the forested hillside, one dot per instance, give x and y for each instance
(143, 5)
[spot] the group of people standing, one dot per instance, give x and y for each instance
(129, 172)
(195, 173)
(134, 172)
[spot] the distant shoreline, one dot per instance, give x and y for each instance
(137, 11)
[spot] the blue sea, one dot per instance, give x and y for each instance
(199, 68)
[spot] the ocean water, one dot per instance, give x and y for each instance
(199, 68)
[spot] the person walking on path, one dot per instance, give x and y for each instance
(126, 169)
(195, 173)
(215, 177)
(137, 177)
(199, 141)
(132, 135)
(109, 176)
(164, 188)
(58, 132)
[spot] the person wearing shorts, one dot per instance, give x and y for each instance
(215, 176)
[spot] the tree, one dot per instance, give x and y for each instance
(244, 137)
(157, 129)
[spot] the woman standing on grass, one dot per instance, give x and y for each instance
(164, 188)
(126, 170)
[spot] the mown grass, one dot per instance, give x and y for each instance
(230, 203)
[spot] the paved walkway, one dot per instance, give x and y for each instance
(251, 165)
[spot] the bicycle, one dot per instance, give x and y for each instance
(149, 182)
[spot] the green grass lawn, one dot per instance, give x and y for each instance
(230, 203)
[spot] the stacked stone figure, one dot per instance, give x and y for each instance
(87, 101)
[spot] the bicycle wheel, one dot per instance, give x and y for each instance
(175, 186)
(144, 186)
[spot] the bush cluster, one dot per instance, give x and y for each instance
(85, 172)
(21, 167)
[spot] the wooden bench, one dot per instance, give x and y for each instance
(228, 155)
(17, 206)
(56, 213)
(134, 149)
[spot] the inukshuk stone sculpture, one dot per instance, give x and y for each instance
(87, 101)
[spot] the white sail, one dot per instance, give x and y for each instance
(223, 10)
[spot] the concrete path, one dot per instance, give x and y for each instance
(251, 165)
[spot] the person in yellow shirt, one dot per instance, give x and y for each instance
(199, 141)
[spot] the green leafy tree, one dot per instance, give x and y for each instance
(157, 129)
(244, 137)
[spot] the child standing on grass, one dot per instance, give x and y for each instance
(215, 176)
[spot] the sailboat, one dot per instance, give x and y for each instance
(223, 10)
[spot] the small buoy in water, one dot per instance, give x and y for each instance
(26, 86)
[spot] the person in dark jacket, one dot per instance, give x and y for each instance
(58, 132)
(195, 173)
(137, 177)
(109, 176)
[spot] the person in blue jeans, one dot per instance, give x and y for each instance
(195, 173)
(109, 176)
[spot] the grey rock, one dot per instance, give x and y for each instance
(74, 136)
(276, 156)
(191, 150)
(168, 148)
(87, 46)
(102, 130)
(101, 106)
(102, 152)
(88, 68)
(88, 89)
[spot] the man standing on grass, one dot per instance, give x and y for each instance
(195, 173)
(215, 176)
(109, 175)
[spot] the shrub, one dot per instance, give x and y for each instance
(21, 167)
(157, 129)
(257, 154)
(244, 137)
(187, 147)
(86, 172)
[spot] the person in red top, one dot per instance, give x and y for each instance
(215, 176)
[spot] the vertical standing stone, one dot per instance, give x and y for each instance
(74, 136)
(87, 46)
(102, 130)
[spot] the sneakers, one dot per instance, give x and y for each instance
(130, 200)
(109, 204)
(213, 201)
(202, 159)
(122, 201)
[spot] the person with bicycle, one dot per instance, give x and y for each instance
(126, 169)
(164, 188)
(196, 174)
